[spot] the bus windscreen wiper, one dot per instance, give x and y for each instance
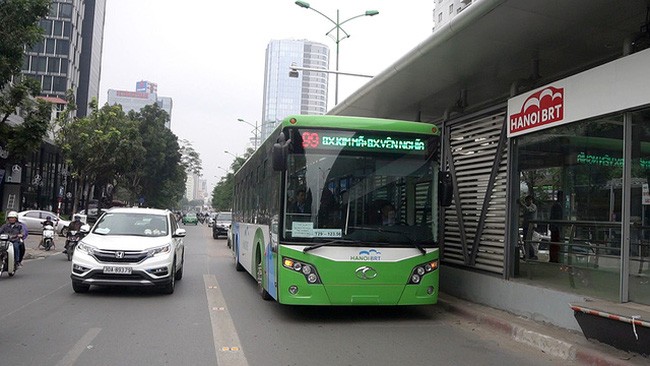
(337, 241)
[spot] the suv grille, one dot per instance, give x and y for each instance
(120, 256)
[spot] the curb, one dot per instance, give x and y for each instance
(529, 333)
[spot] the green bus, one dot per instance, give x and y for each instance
(334, 210)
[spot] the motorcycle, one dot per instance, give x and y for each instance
(73, 239)
(7, 263)
(48, 237)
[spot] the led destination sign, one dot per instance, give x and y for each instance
(336, 140)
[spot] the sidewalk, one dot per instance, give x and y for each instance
(559, 342)
(32, 251)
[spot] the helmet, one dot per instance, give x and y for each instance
(77, 217)
(13, 214)
(48, 218)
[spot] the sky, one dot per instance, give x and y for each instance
(208, 56)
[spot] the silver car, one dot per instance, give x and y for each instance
(33, 220)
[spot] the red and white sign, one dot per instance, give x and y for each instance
(130, 94)
(610, 88)
(543, 107)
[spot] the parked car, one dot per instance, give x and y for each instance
(33, 220)
(190, 218)
(130, 247)
(92, 215)
(221, 224)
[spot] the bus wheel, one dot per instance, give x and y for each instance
(265, 295)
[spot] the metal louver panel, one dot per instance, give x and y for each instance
(475, 224)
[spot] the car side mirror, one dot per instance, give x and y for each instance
(84, 228)
(180, 233)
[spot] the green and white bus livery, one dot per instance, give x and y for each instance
(338, 210)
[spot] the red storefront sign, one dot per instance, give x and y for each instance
(544, 107)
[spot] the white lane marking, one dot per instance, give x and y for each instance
(74, 353)
(226, 342)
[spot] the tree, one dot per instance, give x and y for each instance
(19, 20)
(222, 194)
(160, 179)
(104, 145)
(190, 158)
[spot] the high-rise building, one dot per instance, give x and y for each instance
(284, 95)
(146, 94)
(445, 10)
(91, 54)
(69, 56)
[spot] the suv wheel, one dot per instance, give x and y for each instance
(168, 289)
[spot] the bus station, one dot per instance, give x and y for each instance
(549, 100)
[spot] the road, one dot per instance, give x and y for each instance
(216, 317)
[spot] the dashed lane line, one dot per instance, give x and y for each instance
(74, 353)
(226, 341)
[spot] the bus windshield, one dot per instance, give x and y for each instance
(360, 197)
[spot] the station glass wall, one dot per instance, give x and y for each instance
(583, 161)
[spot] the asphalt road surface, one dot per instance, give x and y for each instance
(216, 317)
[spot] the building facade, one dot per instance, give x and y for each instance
(445, 10)
(284, 95)
(68, 58)
(146, 94)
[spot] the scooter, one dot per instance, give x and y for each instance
(7, 263)
(74, 237)
(48, 237)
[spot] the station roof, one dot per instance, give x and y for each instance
(491, 48)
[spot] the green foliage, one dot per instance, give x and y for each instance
(19, 27)
(222, 194)
(190, 158)
(160, 177)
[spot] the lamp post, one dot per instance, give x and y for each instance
(256, 130)
(227, 171)
(229, 153)
(338, 39)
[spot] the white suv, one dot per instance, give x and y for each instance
(130, 247)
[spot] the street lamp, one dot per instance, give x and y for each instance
(229, 153)
(256, 130)
(337, 26)
(227, 171)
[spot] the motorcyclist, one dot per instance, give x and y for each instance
(48, 221)
(74, 226)
(16, 233)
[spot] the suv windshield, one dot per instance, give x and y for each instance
(384, 199)
(132, 224)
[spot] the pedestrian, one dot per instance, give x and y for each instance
(557, 213)
(529, 214)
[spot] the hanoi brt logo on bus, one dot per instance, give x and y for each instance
(539, 109)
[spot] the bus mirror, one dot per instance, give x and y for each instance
(445, 189)
(279, 158)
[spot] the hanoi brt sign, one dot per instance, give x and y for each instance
(610, 88)
(541, 108)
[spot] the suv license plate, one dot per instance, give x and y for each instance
(117, 270)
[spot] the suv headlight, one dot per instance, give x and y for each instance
(83, 247)
(159, 250)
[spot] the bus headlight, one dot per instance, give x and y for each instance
(422, 270)
(307, 270)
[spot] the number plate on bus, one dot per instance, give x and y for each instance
(117, 270)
